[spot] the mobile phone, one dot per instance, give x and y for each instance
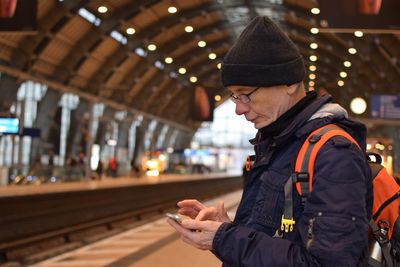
(174, 217)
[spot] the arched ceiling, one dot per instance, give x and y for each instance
(100, 61)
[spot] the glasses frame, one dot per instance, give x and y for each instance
(243, 98)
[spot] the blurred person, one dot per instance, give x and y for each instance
(36, 164)
(99, 169)
(81, 159)
(113, 167)
(264, 72)
(71, 161)
(135, 170)
(51, 158)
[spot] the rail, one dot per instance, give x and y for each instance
(32, 227)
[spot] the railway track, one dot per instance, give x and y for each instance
(36, 227)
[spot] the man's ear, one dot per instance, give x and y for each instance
(291, 89)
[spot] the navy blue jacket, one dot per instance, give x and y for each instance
(331, 228)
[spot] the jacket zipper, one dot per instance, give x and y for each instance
(310, 233)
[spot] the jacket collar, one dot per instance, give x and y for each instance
(300, 120)
(264, 149)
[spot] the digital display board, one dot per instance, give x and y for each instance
(385, 106)
(9, 125)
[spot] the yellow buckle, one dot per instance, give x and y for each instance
(287, 224)
(248, 164)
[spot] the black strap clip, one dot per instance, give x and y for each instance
(315, 138)
(304, 179)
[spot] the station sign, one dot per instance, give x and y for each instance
(385, 106)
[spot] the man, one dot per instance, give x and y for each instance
(264, 72)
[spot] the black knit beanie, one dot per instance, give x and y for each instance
(262, 56)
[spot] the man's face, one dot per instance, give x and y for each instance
(266, 104)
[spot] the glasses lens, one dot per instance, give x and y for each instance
(244, 99)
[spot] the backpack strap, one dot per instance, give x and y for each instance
(380, 237)
(287, 220)
(304, 169)
(305, 161)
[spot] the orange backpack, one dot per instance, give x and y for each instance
(384, 226)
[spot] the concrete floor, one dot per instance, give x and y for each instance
(178, 254)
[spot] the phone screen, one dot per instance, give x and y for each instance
(174, 217)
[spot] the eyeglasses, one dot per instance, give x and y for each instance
(244, 98)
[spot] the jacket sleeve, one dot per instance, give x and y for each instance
(333, 230)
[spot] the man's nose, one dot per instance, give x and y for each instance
(241, 108)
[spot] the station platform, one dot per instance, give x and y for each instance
(106, 182)
(153, 244)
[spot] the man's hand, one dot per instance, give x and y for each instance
(199, 234)
(199, 231)
(190, 207)
(196, 210)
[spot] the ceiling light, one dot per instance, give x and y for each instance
(182, 70)
(130, 31)
(343, 74)
(217, 98)
(314, 30)
(168, 60)
(219, 66)
(172, 9)
(352, 50)
(188, 28)
(151, 47)
(358, 33)
(315, 10)
(312, 76)
(347, 64)
(102, 9)
(311, 83)
(312, 68)
(212, 56)
(358, 105)
(193, 79)
(313, 58)
(201, 43)
(340, 83)
(314, 45)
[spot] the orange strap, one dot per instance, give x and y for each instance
(308, 152)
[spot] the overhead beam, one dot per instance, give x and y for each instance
(89, 97)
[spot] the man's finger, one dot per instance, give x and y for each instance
(188, 212)
(221, 207)
(206, 214)
(198, 226)
(178, 227)
(195, 204)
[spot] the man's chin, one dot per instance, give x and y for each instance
(260, 125)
